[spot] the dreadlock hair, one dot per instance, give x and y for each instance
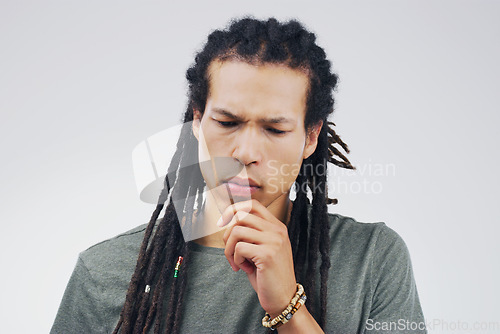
(255, 42)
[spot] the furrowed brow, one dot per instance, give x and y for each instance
(271, 120)
(226, 113)
(276, 120)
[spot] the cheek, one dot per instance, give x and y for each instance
(284, 162)
(204, 162)
(206, 153)
(213, 142)
(213, 158)
(288, 170)
(289, 153)
(203, 149)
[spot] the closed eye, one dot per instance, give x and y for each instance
(275, 131)
(227, 124)
(230, 124)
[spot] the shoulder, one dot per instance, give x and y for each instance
(114, 258)
(350, 227)
(127, 243)
(376, 240)
(96, 290)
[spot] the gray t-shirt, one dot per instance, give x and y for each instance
(370, 287)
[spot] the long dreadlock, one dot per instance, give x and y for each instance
(255, 42)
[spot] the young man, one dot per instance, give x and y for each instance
(256, 125)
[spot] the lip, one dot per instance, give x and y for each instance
(241, 187)
(237, 190)
(245, 182)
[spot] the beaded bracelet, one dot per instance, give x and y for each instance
(297, 301)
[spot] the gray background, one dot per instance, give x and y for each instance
(82, 83)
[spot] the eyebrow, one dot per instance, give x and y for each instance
(272, 120)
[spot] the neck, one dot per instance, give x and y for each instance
(281, 208)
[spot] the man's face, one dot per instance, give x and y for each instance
(251, 135)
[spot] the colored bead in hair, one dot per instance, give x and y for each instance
(178, 266)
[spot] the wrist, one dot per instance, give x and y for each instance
(280, 306)
(287, 314)
(301, 322)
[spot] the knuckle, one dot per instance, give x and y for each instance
(237, 248)
(240, 215)
(267, 257)
(282, 232)
(278, 243)
(278, 240)
(236, 230)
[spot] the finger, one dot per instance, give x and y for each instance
(243, 255)
(250, 206)
(240, 234)
(245, 219)
(231, 210)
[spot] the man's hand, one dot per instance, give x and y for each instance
(257, 242)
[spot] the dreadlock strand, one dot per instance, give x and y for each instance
(336, 138)
(156, 272)
(341, 164)
(159, 292)
(333, 138)
(294, 223)
(312, 253)
(159, 241)
(199, 202)
(302, 247)
(332, 150)
(173, 245)
(324, 248)
(321, 212)
(294, 226)
(156, 299)
(183, 283)
(322, 219)
(174, 292)
(189, 211)
(332, 201)
(318, 182)
(132, 290)
(154, 265)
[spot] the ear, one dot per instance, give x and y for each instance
(196, 123)
(312, 139)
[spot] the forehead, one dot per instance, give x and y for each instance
(258, 89)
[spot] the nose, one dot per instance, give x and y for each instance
(248, 147)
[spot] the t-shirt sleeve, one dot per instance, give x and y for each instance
(395, 306)
(80, 308)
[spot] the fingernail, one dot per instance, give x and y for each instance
(219, 222)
